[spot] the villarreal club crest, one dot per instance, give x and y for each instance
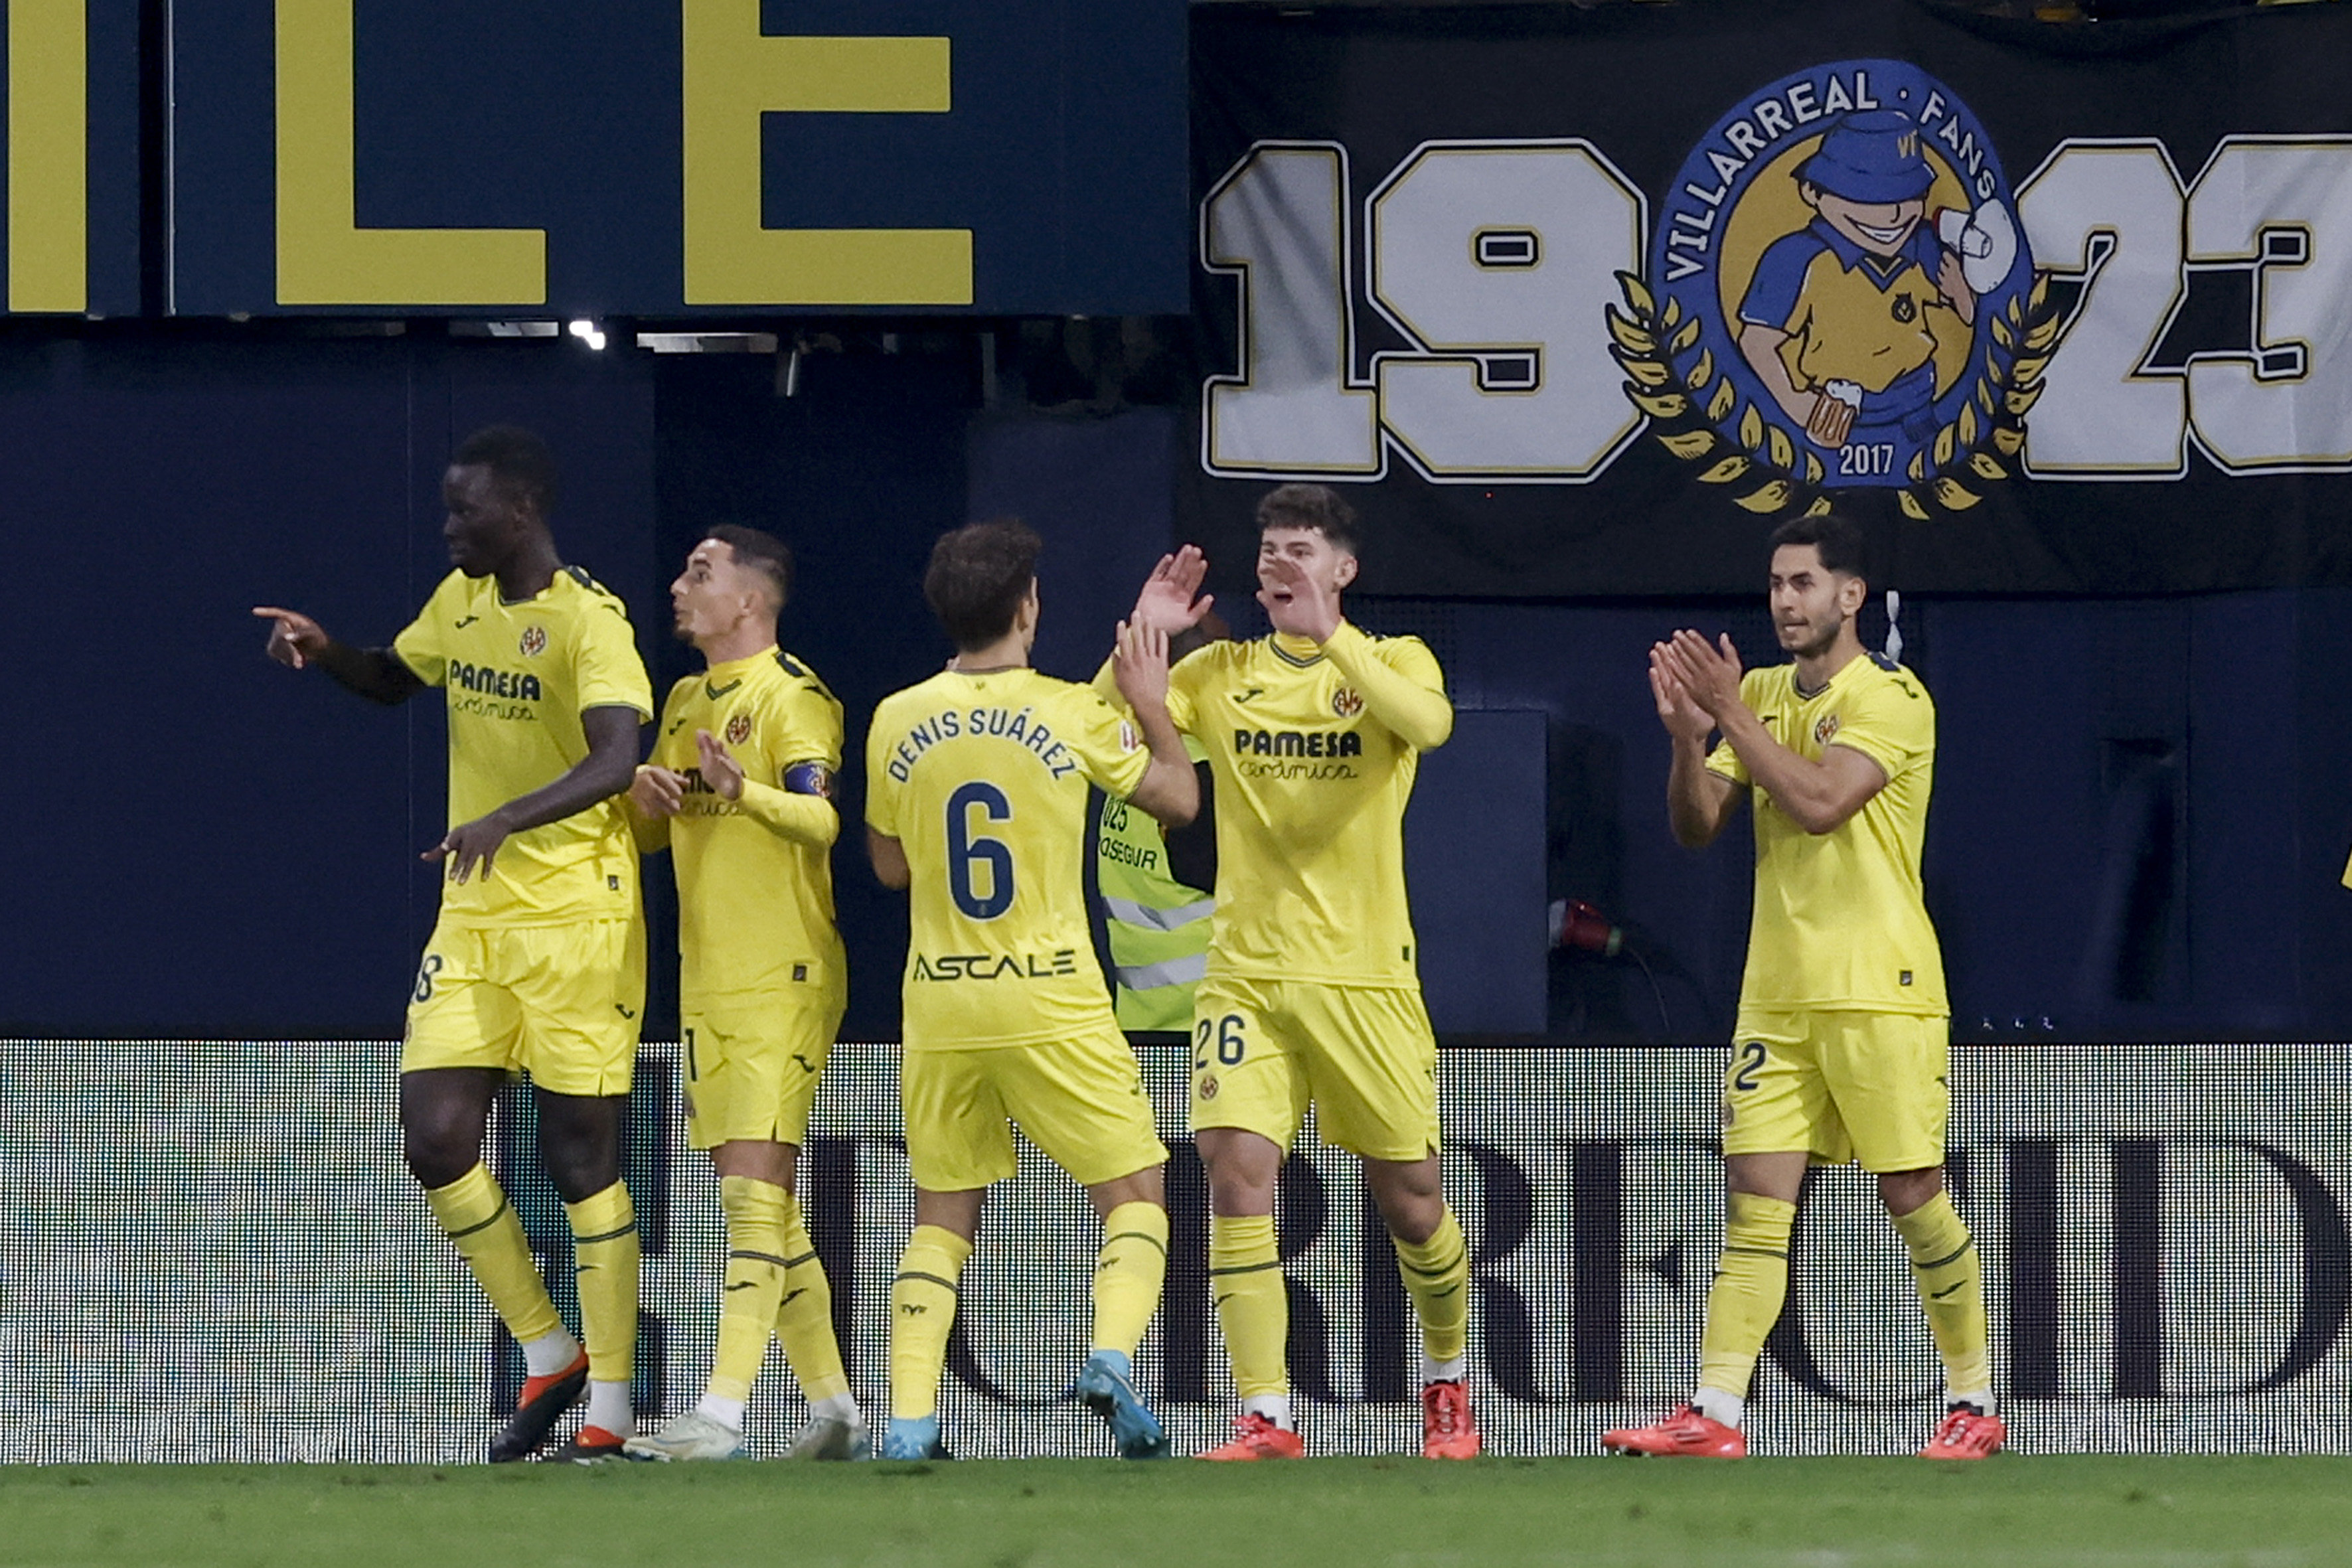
(1840, 296)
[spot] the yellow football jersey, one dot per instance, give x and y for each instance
(517, 677)
(983, 778)
(1839, 919)
(755, 875)
(1311, 792)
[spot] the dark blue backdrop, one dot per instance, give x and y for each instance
(2142, 806)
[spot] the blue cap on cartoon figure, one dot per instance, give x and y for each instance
(1873, 156)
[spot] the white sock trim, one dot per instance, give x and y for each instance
(550, 1353)
(608, 1408)
(1717, 1406)
(1454, 1371)
(841, 1406)
(1275, 1407)
(1981, 1398)
(727, 1413)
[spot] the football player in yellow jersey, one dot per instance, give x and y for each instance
(537, 963)
(1314, 735)
(739, 790)
(976, 800)
(1841, 1048)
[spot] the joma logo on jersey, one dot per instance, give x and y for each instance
(1298, 742)
(996, 966)
(491, 683)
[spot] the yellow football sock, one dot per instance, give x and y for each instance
(1128, 1273)
(605, 1256)
(754, 1281)
(1253, 1305)
(922, 1311)
(488, 1233)
(1437, 1277)
(805, 1313)
(1951, 1287)
(1751, 1280)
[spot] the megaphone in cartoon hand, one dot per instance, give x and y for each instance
(1985, 240)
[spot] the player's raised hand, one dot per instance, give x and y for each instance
(470, 844)
(1708, 672)
(1295, 602)
(1682, 717)
(1171, 599)
(294, 639)
(1140, 664)
(721, 771)
(657, 792)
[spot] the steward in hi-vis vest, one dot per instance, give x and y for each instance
(1155, 911)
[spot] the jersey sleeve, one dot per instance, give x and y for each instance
(1109, 750)
(1400, 681)
(419, 646)
(881, 789)
(1723, 761)
(1186, 679)
(606, 667)
(1778, 289)
(806, 749)
(1891, 722)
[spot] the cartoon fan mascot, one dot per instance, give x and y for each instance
(1842, 318)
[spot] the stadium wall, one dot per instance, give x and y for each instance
(2140, 817)
(247, 1275)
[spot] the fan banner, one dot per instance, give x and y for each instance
(1587, 303)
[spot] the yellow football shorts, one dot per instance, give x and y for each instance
(752, 1062)
(1081, 1102)
(560, 1002)
(1362, 1055)
(1843, 1086)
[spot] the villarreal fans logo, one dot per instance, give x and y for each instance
(739, 729)
(1839, 295)
(534, 641)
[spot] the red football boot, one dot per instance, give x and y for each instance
(1256, 1438)
(1966, 1433)
(1685, 1435)
(1448, 1430)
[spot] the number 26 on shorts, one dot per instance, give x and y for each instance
(1747, 1061)
(1226, 1035)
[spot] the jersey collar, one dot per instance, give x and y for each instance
(1298, 651)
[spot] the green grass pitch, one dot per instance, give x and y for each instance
(1048, 1513)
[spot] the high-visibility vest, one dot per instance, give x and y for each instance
(1158, 927)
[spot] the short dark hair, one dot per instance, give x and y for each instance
(1316, 507)
(977, 576)
(1841, 543)
(516, 458)
(761, 551)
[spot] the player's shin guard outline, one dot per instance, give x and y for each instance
(754, 1281)
(1253, 1303)
(804, 1314)
(1130, 1270)
(488, 1233)
(1437, 1277)
(1751, 1280)
(922, 1313)
(1951, 1289)
(605, 1256)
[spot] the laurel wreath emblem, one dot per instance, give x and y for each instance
(1696, 412)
